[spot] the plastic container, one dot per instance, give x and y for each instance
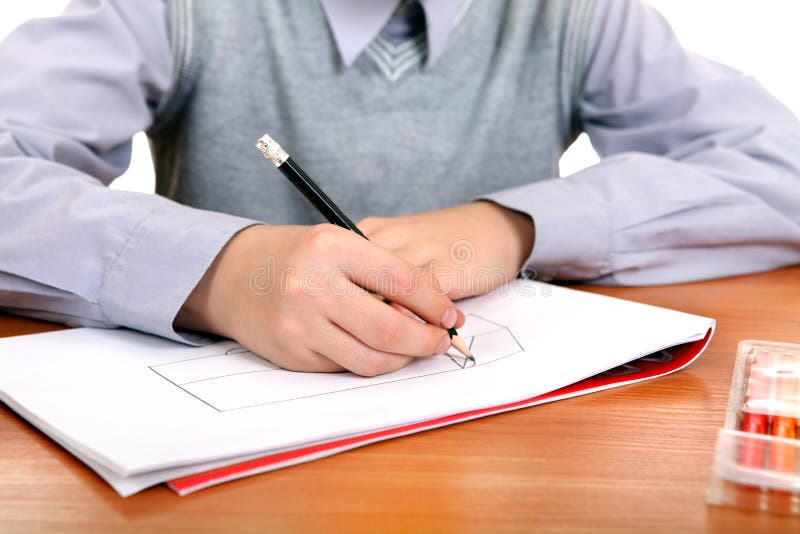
(757, 457)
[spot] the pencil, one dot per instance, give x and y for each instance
(327, 207)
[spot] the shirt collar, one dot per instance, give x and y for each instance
(355, 23)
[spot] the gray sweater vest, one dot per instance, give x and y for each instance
(494, 111)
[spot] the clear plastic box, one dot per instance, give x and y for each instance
(757, 457)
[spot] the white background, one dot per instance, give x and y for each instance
(761, 38)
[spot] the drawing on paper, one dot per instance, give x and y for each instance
(235, 378)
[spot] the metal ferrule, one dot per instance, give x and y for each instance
(272, 150)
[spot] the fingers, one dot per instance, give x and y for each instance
(345, 350)
(402, 309)
(443, 282)
(399, 282)
(386, 274)
(384, 328)
(442, 278)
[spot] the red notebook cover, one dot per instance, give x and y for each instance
(653, 366)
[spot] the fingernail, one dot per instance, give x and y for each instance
(443, 345)
(450, 317)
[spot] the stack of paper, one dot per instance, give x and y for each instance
(141, 410)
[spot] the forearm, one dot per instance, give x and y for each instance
(72, 250)
(700, 175)
(641, 219)
(80, 253)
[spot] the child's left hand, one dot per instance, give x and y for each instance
(465, 250)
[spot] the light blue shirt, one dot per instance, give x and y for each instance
(700, 175)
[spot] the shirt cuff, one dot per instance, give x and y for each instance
(573, 228)
(160, 264)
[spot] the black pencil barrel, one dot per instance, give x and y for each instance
(317, 196)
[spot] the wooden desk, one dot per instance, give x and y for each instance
(633, 459)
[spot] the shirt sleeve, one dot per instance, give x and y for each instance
(75, 90)
(700, 172)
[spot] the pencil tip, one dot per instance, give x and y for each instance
(461, 347)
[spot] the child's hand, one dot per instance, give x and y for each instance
(304, 297)
(466, 250)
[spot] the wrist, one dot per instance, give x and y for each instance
(518, 226)
(205, 310)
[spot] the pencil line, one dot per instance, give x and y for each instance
(184, 389)
(224, 376)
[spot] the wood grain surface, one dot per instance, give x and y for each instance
(633, 459)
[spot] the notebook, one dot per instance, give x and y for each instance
(141, 410)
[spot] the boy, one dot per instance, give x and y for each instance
(444, 117)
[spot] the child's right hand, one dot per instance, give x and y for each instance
(304, 297)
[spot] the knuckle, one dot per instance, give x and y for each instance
(286, 328)
(389, 334)
(324, 239)
(295, 288)
(404, 282)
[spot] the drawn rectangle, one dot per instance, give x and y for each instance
(238, 378)
(233, 362)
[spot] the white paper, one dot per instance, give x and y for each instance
(140, 409)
